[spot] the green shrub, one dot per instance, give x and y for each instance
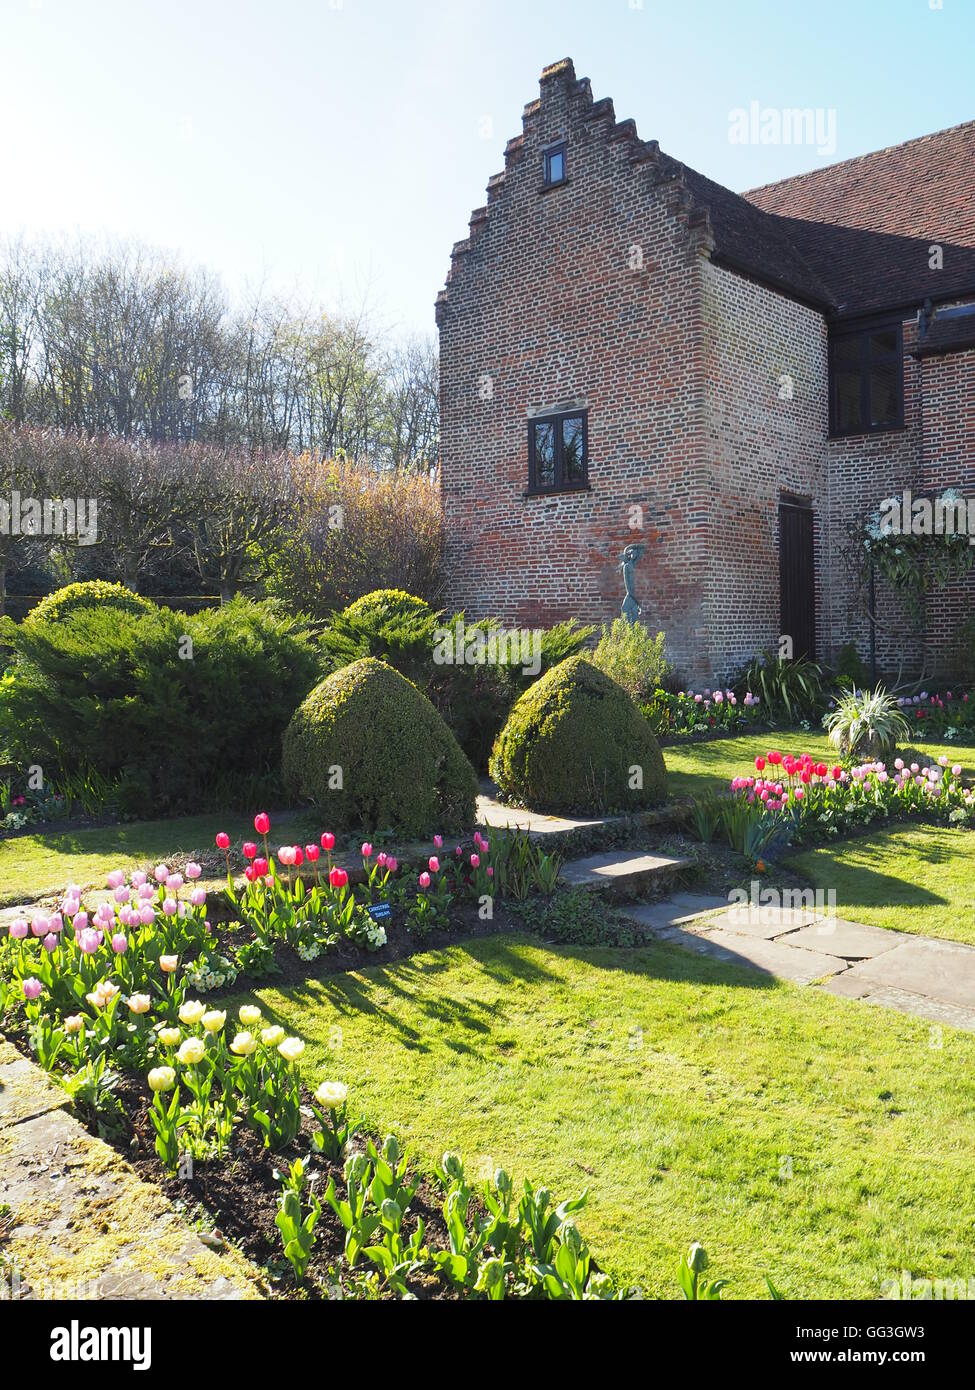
(571, 743)
(632, 657)
(401, 767)
(473, 696)
(91, 593)
(866, 724)
(177, 710)
(578, 917)
(850, 670)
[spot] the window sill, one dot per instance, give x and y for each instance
(556, 491)
(877, 429)
(551, 187)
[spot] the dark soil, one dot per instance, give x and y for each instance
(234, 1200)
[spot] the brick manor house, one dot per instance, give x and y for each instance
(630, 353)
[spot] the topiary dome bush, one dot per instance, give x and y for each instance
(571, 744)
(90, 593)
(373, 754)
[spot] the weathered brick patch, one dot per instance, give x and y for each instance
(81, 1223)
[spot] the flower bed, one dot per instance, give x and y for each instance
(702, 712)
(941, 715)
(807, 798)
(104, 999)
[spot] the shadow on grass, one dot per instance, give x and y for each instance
(861, 881)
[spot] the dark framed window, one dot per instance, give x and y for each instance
(866, 380)
(558, 452)
(554, 165)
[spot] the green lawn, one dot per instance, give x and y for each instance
(917, 879)
(698, 768)
(792, 1132)
(33, 865)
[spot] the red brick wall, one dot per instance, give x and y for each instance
(762, 442)
(542, 306)
(947, 405)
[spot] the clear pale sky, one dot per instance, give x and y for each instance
(341, 145)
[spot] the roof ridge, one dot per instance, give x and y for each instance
(857, 158)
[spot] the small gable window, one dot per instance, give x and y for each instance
(866, 380)
(554, 165)
(558, 452)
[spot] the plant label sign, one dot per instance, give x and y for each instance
(380, 912)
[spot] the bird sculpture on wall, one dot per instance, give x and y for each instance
(631, 608)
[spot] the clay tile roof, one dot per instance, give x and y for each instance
(865, 226)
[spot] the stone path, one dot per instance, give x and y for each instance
(82, 1224)
(924, 976)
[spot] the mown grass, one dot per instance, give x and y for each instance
(34, 865)
(813, 1138)
(697, 769)
(918, 879)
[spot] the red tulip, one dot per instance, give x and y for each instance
(260, 867)
(338, 878)
(775, 759)
(250, 850)
(262, 822)
(223, 840)
(299, 856)
(837, 773)
(328, 841)
(312, 852)
(760, 764)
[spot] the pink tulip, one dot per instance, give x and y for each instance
(39, 926)
(88, 942)
(198, 897)
(475, 861)
(193, 871)
(147, 915)
(956, 770)
(138, 879)
(32, 987)
(19, 929)
(116, 878)
(424, 880)
(160, 873)
(367, 850)
(438, 841)
(286, 855)
(80, 921)
(174, 882)
(392, 864)
(434, 864)
(122, 893)
(55, 922)
(120, 943)
(169, 907)
(50, 942)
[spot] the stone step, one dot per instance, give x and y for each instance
(621, 869)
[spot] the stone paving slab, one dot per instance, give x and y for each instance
(851, 940)
(682, 907)
(772, 957)
(905, 1001)
(768, 922)
(619, 869)
(25, 1090)
(84, 1225)
(942, 970)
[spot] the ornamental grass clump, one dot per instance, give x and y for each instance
(866, 724)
